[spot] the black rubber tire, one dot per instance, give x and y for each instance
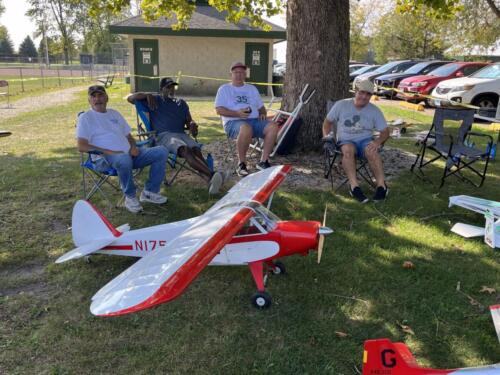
(261, 300)
(279, 268)
(486, 101)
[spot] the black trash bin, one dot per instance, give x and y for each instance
(278, 90)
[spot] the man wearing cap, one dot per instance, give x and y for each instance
(351, 123)
(105, 130)
(170, 117)
(244, 117)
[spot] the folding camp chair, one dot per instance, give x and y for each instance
(284, 120)
(458, 151)
(332, 151)
(145, 131)
(6, 93)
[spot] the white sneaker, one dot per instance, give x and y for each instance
(149, 196)
(132, 204)
(215, 183)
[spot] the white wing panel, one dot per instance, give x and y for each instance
(164, 274)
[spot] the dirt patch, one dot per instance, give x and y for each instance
(34, 103)
(29, 279)
(308, 169)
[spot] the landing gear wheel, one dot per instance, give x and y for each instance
(278, 268)
(261, 300)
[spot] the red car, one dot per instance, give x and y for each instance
(414, 87)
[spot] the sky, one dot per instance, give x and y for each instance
(18, 25)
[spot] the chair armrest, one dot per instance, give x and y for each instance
(147, 134)
(480, 135)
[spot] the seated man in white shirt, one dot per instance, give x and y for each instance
(106, 130)
(245, 117)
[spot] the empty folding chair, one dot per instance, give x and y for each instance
(456, 147)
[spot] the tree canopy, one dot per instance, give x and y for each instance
(6, 45)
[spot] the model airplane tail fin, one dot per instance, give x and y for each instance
(385, 357)
(91, 231)
(495, 314)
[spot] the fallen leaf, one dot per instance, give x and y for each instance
(341, 334)
(408, 265)
(406, 329)
(485, 289)
(458, 286)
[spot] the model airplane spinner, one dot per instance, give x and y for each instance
(383, 357)
(491, 212)
(237, 230)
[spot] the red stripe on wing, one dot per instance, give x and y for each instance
(264, 193)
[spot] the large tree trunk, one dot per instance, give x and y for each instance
(318, 54)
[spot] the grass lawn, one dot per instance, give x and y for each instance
(360, 288)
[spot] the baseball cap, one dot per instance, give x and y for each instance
(237, 64)
(167, 81)
(365, 85)
(96, 88)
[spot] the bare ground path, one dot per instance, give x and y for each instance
(33, 103)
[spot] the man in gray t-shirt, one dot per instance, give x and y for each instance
(351, 123)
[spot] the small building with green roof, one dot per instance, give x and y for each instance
(202, 52)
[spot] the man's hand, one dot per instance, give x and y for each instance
(134, 151)
(243, 113)
(193, 128)
(373, 146)
(151, 102)
(262, 116)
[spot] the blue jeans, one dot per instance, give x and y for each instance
(125, 163)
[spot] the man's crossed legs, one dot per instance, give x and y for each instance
(187, 148)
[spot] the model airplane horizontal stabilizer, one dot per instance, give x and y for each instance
(91, 231)
(164, 274)
(385, 357)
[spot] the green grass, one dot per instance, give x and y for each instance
(360, 288)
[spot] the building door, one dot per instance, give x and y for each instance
(146, 64)
(257, 59)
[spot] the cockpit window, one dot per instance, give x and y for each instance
(262, 222)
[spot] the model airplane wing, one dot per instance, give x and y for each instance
(91, 231)
(478, 205)
(165, 274)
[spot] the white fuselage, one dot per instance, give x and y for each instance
(142, 242)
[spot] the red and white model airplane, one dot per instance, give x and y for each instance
(237, 230)
(383, 357)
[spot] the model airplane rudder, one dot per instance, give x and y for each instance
(91, 231)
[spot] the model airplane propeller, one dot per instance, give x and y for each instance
(237, 230)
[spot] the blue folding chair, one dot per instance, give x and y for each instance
(146, 132)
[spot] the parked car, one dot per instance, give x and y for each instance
(279, 69)
(366, 69)
(353, 67)
(390, 67)
(414, 87)
(481, 89)
(393, 80)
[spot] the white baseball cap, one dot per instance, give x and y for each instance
(365, 85)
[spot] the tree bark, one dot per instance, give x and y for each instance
(318, 54)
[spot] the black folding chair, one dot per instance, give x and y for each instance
(457, 150)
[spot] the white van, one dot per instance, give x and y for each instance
(481, 88)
